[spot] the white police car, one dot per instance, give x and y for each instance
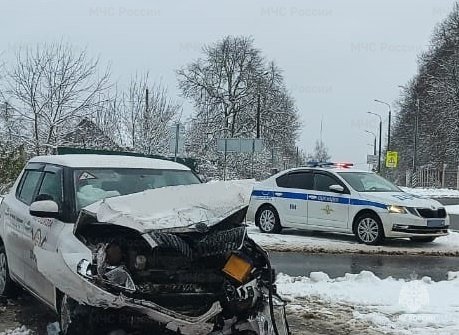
(337, 198)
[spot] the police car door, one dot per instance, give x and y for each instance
(291, 196)
(325, 207)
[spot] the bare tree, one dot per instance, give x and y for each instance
(148, 114)
(51, 87)
(237, 93)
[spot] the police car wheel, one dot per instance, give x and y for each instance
(368, 229)
(423, 239)
(267, 220)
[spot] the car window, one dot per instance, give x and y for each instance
(51, 188)
(322, 182)
(302, 180)
(92, 185)
(368, 182)
(29, 186)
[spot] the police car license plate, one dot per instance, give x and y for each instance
(435, 223)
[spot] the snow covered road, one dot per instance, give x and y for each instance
(388, 306)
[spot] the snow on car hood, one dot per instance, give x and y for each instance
(400, 199)
(174, 207)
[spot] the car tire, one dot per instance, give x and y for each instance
(368, 229)
(423, 239)
(8, 288)
(74, 318)
(267, 219)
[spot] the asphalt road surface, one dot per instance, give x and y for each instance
(337, 265)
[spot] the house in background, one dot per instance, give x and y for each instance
(87, 135)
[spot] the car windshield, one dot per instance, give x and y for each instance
(92, 185)
(368, 182)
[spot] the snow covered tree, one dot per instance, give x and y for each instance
(320, 153)
(148, 114)
(238, 94)
(426, 129)
(50, 88)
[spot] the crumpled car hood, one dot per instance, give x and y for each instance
(176, 207)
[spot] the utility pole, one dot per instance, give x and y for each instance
(380, 139)
(380, 146)
(415, 139)
(388, 121)
(177, 136)
(258, 114)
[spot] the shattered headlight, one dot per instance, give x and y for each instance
(116, 277)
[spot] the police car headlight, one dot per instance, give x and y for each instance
(396, 209)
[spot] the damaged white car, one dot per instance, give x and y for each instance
(112, 242)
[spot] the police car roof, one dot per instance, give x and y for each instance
(108, 161)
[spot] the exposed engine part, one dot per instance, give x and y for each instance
(100, 258)
(140, 262)
(114, 254)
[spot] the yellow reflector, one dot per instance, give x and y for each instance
(237, 268)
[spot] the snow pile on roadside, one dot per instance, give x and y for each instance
(388, 305)
(452, 209)
(18, 331)
(432, 192)
(318, 242)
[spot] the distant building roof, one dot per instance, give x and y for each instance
(87, 135)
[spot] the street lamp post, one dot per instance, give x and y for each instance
(389, 121)
(380, 138)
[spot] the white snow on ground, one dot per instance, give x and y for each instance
(317, 242)
(387, 305)
(18, 331)
(432, 192)
(452, 209)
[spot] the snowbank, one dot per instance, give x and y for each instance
(452, 209)
(317, 242)
(389, 305)
(18, 331)
(432, 192)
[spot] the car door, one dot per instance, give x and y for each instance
(291, 196)
(17, 222)
(327, 208)
(45, 232)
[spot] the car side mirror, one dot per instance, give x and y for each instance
(336, 188)
(44, 209)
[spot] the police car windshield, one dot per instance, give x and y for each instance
(368, 182)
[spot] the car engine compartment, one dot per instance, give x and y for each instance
(186, 272)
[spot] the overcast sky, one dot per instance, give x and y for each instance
(337, 55)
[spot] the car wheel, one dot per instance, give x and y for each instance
(267, 219)
(7, 287)
(423, 239)
(368, 229)
(74, 318)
